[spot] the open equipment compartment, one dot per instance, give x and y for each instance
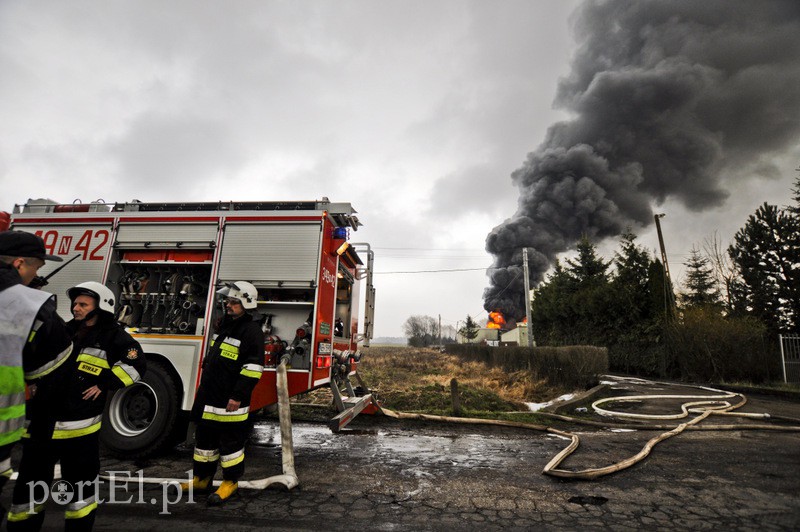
(162, 291)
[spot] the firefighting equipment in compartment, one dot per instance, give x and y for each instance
(243, 291)
(274, 347)
(266, 324)
(101, 293)
(223, 493)
(300, 348)
(162, 299)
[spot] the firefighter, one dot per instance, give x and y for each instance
(65, 415)
(231, 369)
(33, 337)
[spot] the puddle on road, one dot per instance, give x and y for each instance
(401, 447)
(588, 500)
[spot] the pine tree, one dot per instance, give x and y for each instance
(700, 285)
(550, 310)
(795, 209)
(590, 298)
(588, 268)
(631, 303)
(766, 254)
(470, 329)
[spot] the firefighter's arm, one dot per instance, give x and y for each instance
(49, 344)
(251, 354)
(130, 363)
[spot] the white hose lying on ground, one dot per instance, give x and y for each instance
(704, 406)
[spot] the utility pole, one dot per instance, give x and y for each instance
(440, 330)
(668, 302)
(527, 295)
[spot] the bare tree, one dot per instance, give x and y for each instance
(421, 331)
(722, 268)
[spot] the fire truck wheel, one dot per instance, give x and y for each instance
(140, 420)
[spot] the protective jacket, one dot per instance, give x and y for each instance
(33, 343)
(103, 355)
(231, 370)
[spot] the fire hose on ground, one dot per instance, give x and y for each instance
(702, 405)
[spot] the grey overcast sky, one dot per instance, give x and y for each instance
(416, 112)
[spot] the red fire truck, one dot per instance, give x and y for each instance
(165, 261)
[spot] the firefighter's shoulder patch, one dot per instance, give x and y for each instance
(133, 353)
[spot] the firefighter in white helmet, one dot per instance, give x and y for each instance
(231, 369)
(66, 412)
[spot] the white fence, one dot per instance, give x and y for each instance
(790, 357)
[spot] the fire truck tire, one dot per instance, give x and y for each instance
(141, 420)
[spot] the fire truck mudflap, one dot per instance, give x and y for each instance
(165, 261)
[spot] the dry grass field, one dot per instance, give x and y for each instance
(418, 380)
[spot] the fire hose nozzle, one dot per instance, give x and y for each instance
(341, 356)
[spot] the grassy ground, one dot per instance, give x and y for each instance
(418, 380)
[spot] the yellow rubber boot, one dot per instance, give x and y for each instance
(223, 493)
(197, 484)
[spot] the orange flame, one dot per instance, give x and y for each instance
(496, 320)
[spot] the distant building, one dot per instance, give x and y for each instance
(516, 336)
(489, 335)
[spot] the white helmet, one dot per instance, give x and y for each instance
(241, 290)
(100, 292)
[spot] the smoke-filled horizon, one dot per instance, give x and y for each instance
(676, 99)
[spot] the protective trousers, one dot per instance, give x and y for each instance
(5, 473)
(223, 442)
(80, 466)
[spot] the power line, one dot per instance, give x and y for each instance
(441, 271)
(435, 249)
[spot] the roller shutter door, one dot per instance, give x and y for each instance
(187, 235)
(287, 253)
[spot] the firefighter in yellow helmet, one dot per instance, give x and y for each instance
(231, 369)
(66, 412)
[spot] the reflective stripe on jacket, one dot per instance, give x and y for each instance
(231, 369)
(220, 414)
(75, 429)
(19, 306)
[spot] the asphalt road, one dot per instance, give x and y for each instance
(387, 474)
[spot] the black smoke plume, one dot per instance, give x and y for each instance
(671, 99)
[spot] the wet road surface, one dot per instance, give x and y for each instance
(387, 474)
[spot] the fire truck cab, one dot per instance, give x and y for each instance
(165, 262)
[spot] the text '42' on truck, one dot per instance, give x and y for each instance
(165, 261)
